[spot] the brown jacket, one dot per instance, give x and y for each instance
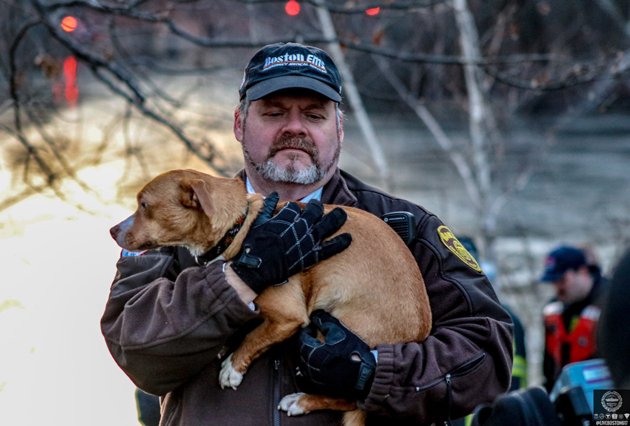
(166, 319)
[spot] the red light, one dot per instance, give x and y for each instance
(292, 8)
(373, 11)
(70, 80)
(69, 23)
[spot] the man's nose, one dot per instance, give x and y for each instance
(294, 124)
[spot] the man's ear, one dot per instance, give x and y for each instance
(238, 125)
(196, 194)
(340, 129)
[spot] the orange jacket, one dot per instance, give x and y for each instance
(564, 346)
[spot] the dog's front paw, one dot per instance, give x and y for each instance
(229, 377)
(291, 404)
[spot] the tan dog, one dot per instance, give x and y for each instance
(374, 287)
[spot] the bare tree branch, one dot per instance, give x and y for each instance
(355, 99)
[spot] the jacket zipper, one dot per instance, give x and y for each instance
(457, 372)
(467, 366)
(275, 394)
(448, 378)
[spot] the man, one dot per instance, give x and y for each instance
(165, 324)
(571, 317)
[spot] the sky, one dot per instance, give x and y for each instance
(58, 266)
(59, 262)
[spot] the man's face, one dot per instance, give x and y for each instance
(290, 137)
(573, 285)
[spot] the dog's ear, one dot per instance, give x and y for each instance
(196, 194)
(187, 197)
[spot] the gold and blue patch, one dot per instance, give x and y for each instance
(451, 242)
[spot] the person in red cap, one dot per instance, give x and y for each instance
(571, 317)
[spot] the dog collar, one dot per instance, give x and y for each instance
(223, 244)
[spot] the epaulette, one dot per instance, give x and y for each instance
(591, 312)
(553, 308)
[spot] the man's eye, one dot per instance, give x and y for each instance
(273, 113)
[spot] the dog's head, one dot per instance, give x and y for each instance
(181, 208)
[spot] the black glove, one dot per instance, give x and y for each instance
(341, 366)
(289, 242)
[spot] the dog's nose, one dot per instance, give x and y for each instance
(113, 231)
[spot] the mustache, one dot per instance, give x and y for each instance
(301, 143)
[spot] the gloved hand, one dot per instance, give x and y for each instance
(289, 242)
(341, 366)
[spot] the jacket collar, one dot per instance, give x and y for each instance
(336, 191)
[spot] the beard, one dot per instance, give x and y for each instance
(294, 172)
(305, 176)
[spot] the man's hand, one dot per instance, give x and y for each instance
(279, 246)
(341, 366)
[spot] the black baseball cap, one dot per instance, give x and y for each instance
(560, 260)
(281, 66)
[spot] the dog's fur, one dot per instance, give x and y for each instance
(374, 287)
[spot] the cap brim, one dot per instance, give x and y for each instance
(266, 87)
(550, 277)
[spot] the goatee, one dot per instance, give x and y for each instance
(295, 172)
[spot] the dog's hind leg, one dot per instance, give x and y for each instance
(284, 312)
(354, 418)
(255, 343)
(296, 404)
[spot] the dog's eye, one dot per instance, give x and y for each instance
(143, 205)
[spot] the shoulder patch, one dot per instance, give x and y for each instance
(591, 312)
(553, 308)
(454, 246)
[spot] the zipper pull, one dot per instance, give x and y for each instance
(447, 379)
